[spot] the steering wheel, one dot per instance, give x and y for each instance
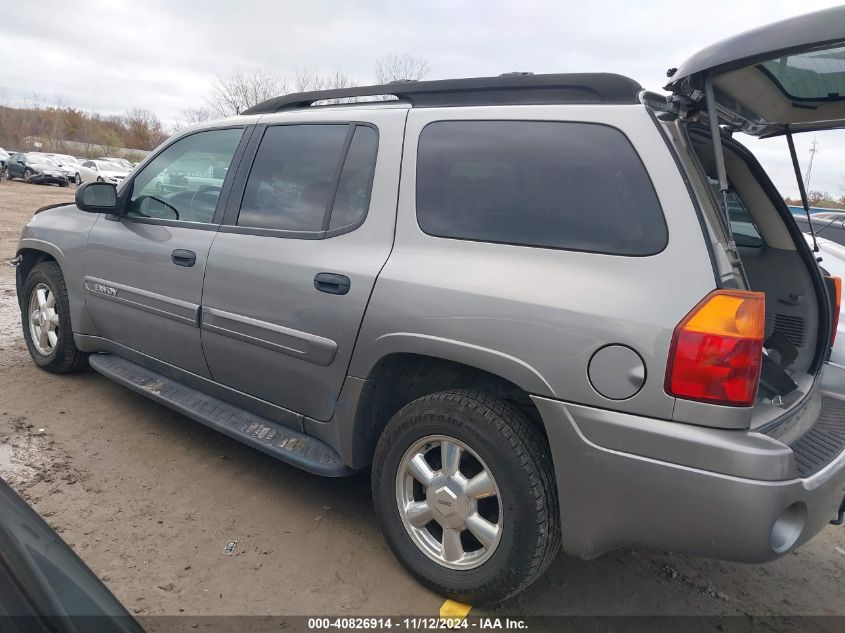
(206, 190)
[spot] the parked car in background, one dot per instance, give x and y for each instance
(36, 168)
(70, 164)
(4, 155)
(833, 261)
(798, 210)
(827, 224)
(117, 161)
(100, 171)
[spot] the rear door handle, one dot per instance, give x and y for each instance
(182, 257)
(332, 283)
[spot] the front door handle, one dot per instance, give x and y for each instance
(182, 257)
(332, 283)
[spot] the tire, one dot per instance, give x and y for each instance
(100, 179)
(60, 355)
(522, 501)
(9, 174)
(27, 175)
(77, 180)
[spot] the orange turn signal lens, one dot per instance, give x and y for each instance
(716, 352)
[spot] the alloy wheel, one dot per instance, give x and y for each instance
(449, 502)
(43, 319)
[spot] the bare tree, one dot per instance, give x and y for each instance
(308, 80)
(241, 90)
(192, 116)
(400, 68)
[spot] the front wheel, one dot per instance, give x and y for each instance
(464, 492)
(27, 175)
(45, 315)
(100, 179)
(77, 180)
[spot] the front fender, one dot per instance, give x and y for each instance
(61, 234)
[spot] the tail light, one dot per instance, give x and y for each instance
(717, 350)
(835, 286)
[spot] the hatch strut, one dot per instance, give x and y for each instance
(719, 155)
(801, 189)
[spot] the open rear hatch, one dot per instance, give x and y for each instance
(789, 75)
(778, 79)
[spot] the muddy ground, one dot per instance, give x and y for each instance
(150, 500)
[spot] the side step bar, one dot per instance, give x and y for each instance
(293, 447)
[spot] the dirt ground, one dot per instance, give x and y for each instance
(150, 500)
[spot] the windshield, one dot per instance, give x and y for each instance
(37, 159)
(107, 166)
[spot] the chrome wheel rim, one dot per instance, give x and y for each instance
(449, 502)
(43, 319)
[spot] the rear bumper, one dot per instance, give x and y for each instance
(625, 480)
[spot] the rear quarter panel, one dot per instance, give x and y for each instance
(536, 316)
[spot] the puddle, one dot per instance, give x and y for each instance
(22, 453)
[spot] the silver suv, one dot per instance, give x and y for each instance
(547, 310)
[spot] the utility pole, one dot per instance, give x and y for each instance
(813, 151)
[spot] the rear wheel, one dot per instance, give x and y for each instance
(8, 174)
(45, 315)
(464, 491)
(27, 175)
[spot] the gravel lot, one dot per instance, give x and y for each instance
(150, 499)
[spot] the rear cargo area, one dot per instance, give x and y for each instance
(764, 254)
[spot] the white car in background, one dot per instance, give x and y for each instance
(101, 171)
(833, 261)
(70, 164)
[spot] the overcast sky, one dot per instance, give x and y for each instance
(112, 55)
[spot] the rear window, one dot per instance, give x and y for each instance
(813, 76)
(573, 186)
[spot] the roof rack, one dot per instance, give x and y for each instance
(508, 89)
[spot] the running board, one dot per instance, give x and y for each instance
(293, 447)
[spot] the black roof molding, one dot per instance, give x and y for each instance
(511, 89)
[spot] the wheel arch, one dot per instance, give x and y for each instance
(398, 378)
(31, 255)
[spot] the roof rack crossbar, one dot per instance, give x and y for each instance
(503, 90)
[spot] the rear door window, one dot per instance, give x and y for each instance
(310, 179)
(550, 184)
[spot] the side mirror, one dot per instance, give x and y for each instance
(97, 197)
(19, 161)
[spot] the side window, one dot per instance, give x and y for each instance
(574, 186)
(302, 179)
(356, 179)
(184, 181)
(743, 229)
(292, 179)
